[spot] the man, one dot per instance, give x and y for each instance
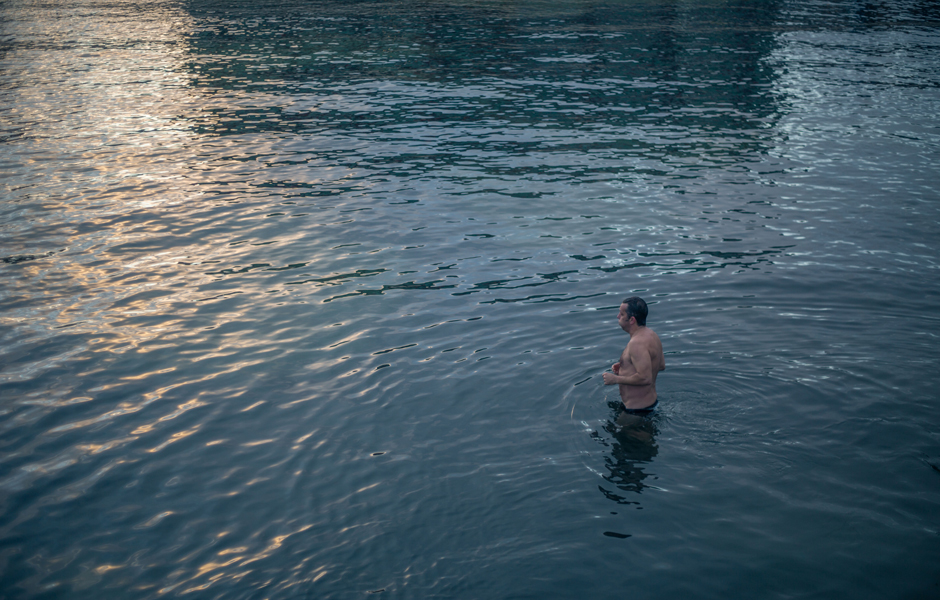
(640, 362)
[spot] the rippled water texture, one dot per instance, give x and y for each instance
(312, 300)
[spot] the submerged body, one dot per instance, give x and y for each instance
(640, 362)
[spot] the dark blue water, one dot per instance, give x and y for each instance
(312, 300)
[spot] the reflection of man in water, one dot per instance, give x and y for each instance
(640, 362)
(634, 447)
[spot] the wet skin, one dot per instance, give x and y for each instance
(639, 365)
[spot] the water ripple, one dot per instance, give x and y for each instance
(317, 303)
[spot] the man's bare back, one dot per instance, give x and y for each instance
(641, 361)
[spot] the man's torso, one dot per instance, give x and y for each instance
(641, 396)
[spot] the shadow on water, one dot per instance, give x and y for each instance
(490, 110)
(632, 78)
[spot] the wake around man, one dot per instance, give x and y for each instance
(640, 362)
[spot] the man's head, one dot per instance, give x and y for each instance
(634, 307)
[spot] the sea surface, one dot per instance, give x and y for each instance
(313, 299)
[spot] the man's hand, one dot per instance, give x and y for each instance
(611, 379)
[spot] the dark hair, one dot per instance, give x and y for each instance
(636, 307)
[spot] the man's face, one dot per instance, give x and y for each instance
(622, 318)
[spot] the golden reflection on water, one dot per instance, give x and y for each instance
(100, 153)
(102, 175)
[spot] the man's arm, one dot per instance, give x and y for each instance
(640, 359)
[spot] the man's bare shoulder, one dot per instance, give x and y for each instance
(645, 337)
(655, 348)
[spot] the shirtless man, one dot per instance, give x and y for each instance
(640, 362)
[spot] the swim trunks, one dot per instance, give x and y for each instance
(641, 411)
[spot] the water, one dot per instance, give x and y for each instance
(312, 300)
